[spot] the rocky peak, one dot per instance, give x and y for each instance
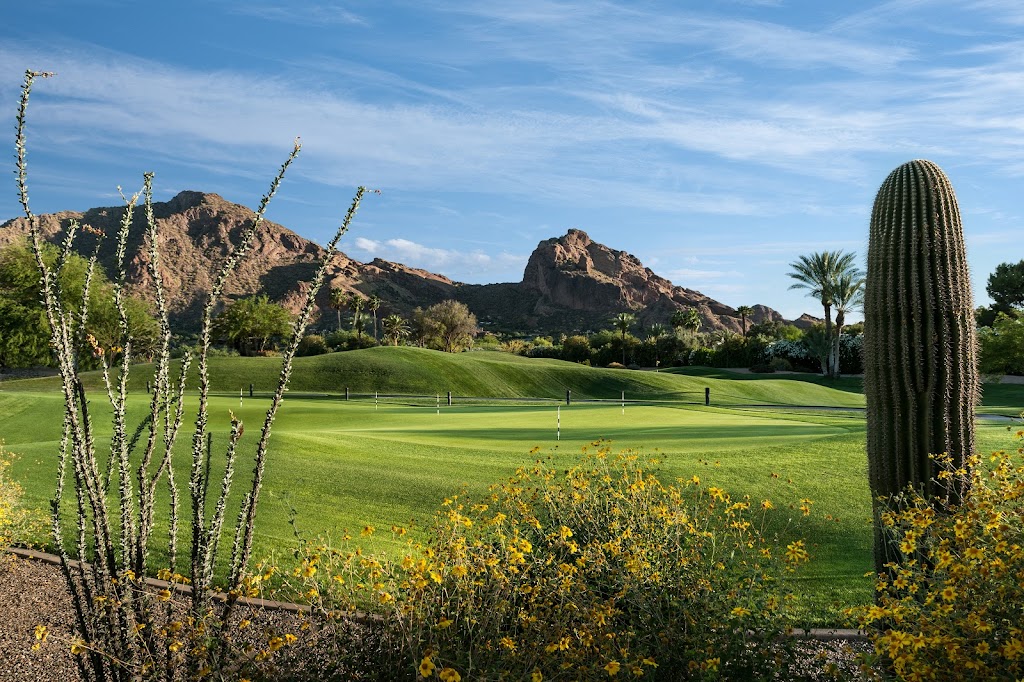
(570, 283)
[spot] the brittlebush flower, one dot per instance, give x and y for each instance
(426, 667)
(450, 675)
(612, 668)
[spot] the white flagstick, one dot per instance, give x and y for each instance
(558, 427)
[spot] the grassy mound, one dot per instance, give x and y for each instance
(418, 371)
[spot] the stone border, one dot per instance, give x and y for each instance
(186, 590)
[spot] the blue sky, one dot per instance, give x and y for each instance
(715, 141)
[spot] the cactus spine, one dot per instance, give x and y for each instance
(920, 345)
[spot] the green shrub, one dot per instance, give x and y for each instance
(1002, 346)
(577, 573)
(312, 344)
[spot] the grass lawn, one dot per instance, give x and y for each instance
(349, 464)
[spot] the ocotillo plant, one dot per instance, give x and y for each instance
(113, 505)
(920, 348)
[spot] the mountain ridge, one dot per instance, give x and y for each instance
(571, 283)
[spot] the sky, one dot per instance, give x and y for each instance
(716, 141)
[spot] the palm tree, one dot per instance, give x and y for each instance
(396, 329)
(373, 305)
(357, 303)
(623, 322)
(338, 300)
(656, 331)
(818, 273)
(686, 318)
(744, 311)
(819, 345)
(847, 295)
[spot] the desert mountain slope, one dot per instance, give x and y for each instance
(571, 283)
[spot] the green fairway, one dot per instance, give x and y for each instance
(418, 371)
(347, 464)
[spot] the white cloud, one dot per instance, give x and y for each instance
(681, 276)
(455, 264)
(301, 13)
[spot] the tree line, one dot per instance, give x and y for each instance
(254, 325)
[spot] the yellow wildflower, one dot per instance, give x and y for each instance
(612, 668)
(426, 667)
(450, 675)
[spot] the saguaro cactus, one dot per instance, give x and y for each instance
(920, 345)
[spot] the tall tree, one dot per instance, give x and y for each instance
(250, 324)
(1006, 285)
(373, 305)
(357, 303)
(448, 325)
(396, 329)
(338, 300)
(654, 333)
(818, 273)
(847, 295)
(24, 329)
(744, 311)
(624, 322)
(686, 318)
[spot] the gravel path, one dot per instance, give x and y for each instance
(33, 593)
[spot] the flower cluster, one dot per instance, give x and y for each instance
(953, 607)
(598, 571)
(17, 524)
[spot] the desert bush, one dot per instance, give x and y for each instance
(800, 357)
(348, 340)
(312, 344)
(1002, 346)
(780, 364)
(515, 347)
(952, 606)
(576, 348)
(552, 352)
(576, 573)
(17, 524)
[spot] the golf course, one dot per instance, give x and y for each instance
(388, 460)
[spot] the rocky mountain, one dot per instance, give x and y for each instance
(571, 283)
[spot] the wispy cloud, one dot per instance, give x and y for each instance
(456, 264)
(300, 12)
